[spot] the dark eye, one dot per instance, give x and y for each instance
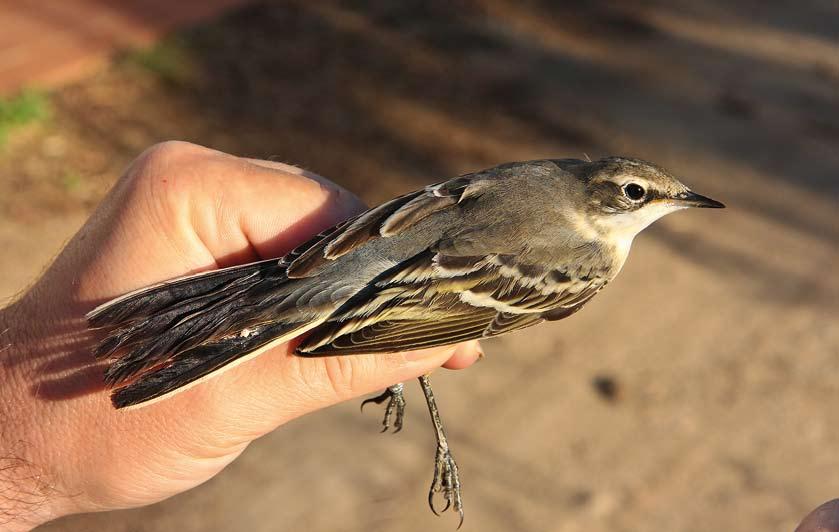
(633, 191)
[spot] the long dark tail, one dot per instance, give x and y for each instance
(167, 336)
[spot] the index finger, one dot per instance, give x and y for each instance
(280, 206)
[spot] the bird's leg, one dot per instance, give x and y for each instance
(446, 479)
(395, 401)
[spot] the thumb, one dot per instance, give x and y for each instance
(825, 518)
(279, 386)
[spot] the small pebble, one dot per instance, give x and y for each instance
(607, 387)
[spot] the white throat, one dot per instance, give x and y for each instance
(620, 229)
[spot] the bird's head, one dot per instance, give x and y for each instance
(623, 195)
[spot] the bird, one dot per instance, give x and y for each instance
(477, 256)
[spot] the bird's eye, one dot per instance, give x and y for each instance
(634, 192)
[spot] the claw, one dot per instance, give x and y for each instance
(395, 401)
(447, 482)
(400, 417)
(431, 502)
(364, 402)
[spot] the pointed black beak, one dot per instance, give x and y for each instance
(692, 199)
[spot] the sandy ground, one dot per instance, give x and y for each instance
(720, 336)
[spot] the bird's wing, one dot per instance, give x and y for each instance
(435, 299)
(388, 219)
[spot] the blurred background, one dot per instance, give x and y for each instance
(697, 393)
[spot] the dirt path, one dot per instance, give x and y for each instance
(720, 335)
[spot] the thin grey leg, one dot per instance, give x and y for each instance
(446, 479)
(395, 401)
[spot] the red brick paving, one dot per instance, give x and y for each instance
(44, 43)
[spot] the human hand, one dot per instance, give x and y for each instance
(178, 209)
(825, 518)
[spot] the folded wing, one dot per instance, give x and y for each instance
(435, 300)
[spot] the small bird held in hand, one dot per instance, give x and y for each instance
(477, 256)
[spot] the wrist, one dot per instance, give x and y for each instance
(29, 492)
(25, 492)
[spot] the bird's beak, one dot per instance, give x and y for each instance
(692, 199)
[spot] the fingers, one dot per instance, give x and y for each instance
(825, 518)
(289, 169)
(243, 210)
(182, 208)
(278, 386)
(284, 206)
(465, 355)
(296, 170)
(233, 205)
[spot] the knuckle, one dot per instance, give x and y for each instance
(170, 162)
(168, 174)
(171, 152)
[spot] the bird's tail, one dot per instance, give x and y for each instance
(168, 336)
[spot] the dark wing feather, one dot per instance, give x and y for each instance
(385, 220)
(435, 300)
(191, 365)
(345, 237)
(153, 299)
(404, 335)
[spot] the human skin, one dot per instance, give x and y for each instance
(825, 518)
(178, 209)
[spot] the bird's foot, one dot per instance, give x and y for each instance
(446, 481)
(395, 404)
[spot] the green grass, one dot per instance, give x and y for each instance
(71, 180)
(29, 106)
(169, 60)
